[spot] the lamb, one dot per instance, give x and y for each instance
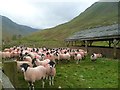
(33, 74)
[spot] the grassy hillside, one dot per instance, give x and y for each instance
(10, 28)
(99, 14)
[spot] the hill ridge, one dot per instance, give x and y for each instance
(10, 28)
(98, 14)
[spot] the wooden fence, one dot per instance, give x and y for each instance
(106, 51)
(9, 77)
(5, 82)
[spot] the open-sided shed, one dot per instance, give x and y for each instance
(109, 33)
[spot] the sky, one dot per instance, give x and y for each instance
(42, 14)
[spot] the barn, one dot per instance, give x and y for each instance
(110, 34)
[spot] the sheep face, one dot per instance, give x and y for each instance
(24, 67)
(92, 55)
(52, 64)
(42, 55)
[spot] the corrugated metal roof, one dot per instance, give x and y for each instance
(103, 32)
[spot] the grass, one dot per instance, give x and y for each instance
(100, 74)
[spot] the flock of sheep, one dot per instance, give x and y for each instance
(39, 63)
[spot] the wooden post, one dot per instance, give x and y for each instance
(114, 48)
(109, 43)
(90, 43)
(6, 83)
(75, 43)
(86, 46)
(10, 69)
(72, 43)
(67, 43)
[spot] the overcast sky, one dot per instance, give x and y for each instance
(43, 13)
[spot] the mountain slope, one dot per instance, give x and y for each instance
(99, 14)
(10, 28)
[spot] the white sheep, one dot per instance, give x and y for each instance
(19, 63)
(6, 55)
(33, 74)
(94, 56)
(37, 62)
(65, 56)
(50, 67)
(27, 58)
(51, 72)
(77, 57)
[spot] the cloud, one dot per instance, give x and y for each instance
(43, 13)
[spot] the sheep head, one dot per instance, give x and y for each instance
(24, 67)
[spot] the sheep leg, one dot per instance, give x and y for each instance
(31, 86)
(77, 61)
(43, 83)
(46, 77)
(52, 80)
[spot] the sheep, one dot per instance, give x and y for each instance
(50, 67)
(55, 55)
(37, 62)
(99, 55)
(72, 54)
(51, 72)
(6, 50)
(82, 52)
(15, 54)
(77, 57)
(65, 56)
(19, 63)
(27, 58)
(6, 55)
(49, 56)
(94, 56)
(33, 74)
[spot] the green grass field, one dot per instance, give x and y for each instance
(100, 74)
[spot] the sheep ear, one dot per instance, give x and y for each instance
(54, 65)
(28, 65)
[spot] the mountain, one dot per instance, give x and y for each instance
(10, 28)
(98, 14)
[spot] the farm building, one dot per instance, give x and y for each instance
(109, 33)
